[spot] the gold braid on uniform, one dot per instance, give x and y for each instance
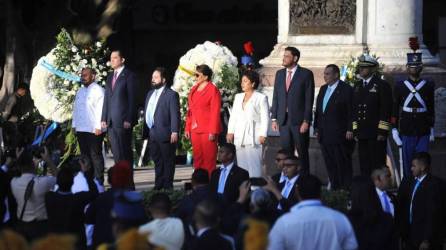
(384, 125)
(355, 125)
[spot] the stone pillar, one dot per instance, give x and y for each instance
(390, 23)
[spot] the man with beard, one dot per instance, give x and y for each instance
(87, 112)
(292, 106)
(162, 123)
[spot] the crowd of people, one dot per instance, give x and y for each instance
(236, 205)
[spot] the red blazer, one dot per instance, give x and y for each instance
(203, 115)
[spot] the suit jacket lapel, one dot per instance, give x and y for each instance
(333, 96)
(159, 99)
(294, 80)
(229, 178)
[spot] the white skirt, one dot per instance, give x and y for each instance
(250, 159)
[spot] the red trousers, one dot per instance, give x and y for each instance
(204, 151)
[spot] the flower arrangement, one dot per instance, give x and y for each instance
(226, 77)
(349, 71)
(55, 80)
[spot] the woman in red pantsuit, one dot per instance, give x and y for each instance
(203, 119)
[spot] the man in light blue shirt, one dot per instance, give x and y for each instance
(311, 225)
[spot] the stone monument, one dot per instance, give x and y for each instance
(333, 31)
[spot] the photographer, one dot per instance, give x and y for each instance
(29, 192)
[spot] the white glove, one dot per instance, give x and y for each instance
(396, 137)
(431, 136)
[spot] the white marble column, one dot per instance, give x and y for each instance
(390, 23)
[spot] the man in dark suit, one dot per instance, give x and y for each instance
(420, 201)
(372, 107)
(381, 178)
(292, 106)
(226, 180)
(119, 110)
(206, 217)
(161, 126)
(285, 192)
(332, 127)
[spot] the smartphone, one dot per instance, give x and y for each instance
(257, 181)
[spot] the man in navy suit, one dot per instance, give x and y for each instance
(226, 180)
(333, 127)
(162, 124)
(292, 107)
(119, 110)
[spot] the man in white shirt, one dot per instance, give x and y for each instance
(311, 225)
(87, 113)
(381, 179)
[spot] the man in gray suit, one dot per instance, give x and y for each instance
(162, 125)
(292, 106)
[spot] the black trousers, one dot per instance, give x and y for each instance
(121, 145)
(338, 161)
(163, 155)
(291, 138)
(372, 155)
(91, 146)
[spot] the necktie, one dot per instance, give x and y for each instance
(221, 181)
(364, 83)
(286, 190)
(151, 106)
(386, 203)
(288, 79)
(115, 76)
(417, 184)
(326, 98)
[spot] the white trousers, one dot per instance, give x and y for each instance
(250, 159)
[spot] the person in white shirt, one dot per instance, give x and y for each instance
(382, 179)
(248, 124)
(311, 225)
(87, 113)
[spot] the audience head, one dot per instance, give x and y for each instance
(421, 164)
(26, 163)
(290, 57)
(309, 187)
(120, 175)
(362, 194)
(291, 166)
(203, 73)
(331, 73)
(128, 211)
(206, 214)
(10, 239)
(381, 177)
(55, 242)
(281, 155)
(200, 177)
(117, 59)
(226, 153)
(160, 205)
(65, 178)
(250, 80)
(260, 200)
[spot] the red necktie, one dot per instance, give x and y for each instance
(115, 76)
(288, 79)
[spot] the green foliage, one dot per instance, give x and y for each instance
(336, 199)
(175, 196)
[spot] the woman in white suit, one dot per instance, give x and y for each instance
(248, 124)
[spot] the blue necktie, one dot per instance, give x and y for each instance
(326, 98)
(221, 182)
(285, 192)
(151, 109)
(417, 184)
(386, 203)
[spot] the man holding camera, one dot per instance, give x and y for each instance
(87, 113)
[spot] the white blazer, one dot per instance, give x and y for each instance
(249, 124)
